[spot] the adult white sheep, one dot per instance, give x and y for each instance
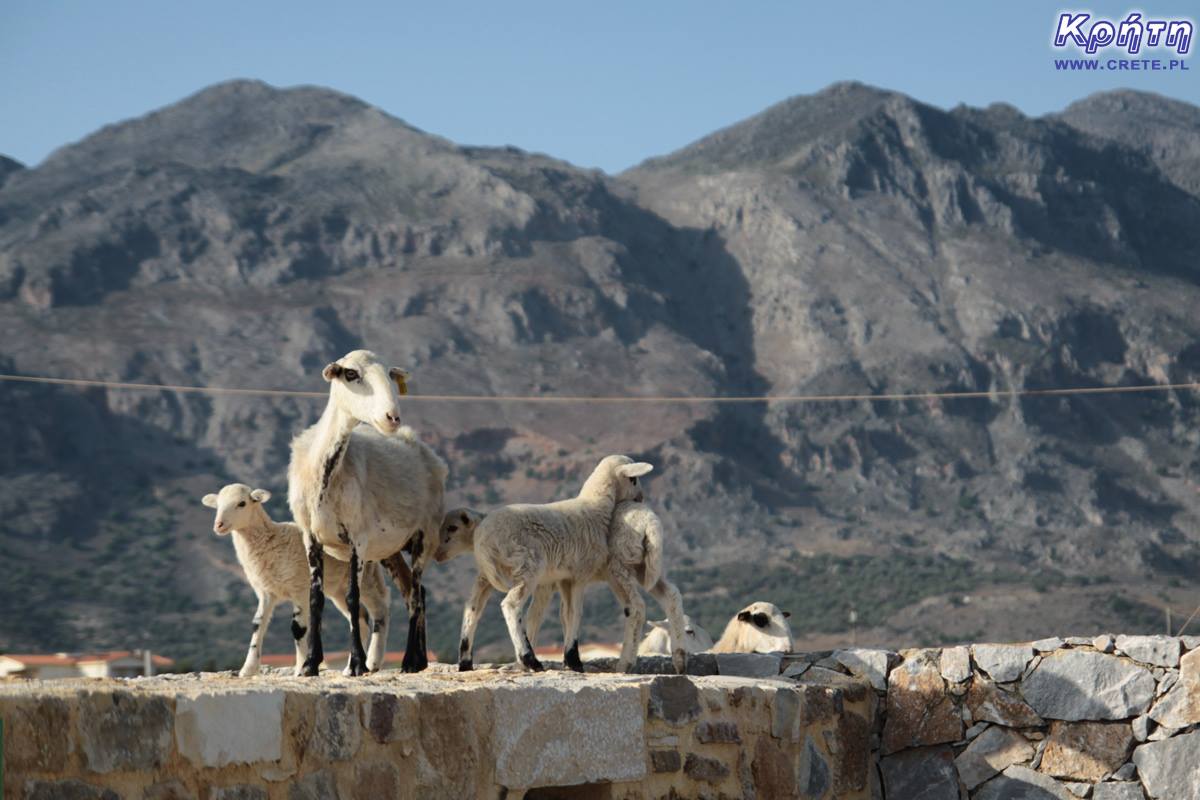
(272, 556)
(365, 494)
(757, 628)
(519, 547)
(658, 639)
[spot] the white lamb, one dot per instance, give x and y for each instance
(757, 628)
(520, 547)
(365, 494)
(635, 544)
(658, 640)
(272, 556)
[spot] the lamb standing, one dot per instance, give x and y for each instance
(635, 544)
(272, 556)
(364, 494)
(519, 547)
(757, 628)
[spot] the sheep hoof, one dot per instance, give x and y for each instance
(311, 668)
(248, 672)
(466, 665)
(531, 662)
(623, 666)
(413, 662)
(572, 661)
(679, 659)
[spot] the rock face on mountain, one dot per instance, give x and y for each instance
(853, 241)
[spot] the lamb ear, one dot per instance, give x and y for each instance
(209, 500)
(744, 616)
(400, 376)
(787, 614)
(260, 495)
(634, 470)
(331, 371)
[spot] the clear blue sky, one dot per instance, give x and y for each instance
(601, 84)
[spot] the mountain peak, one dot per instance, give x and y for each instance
(8, 166)
(247, 124)
(783, 129)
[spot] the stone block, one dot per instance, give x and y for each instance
(1048, 645)
(1003, 662)
(33, 734)
(987, 701)
(710, 732)
(674, 699)
(67, 790)
(1161, 651)
(991, 753)
(1118, 791)
(239, 792)
(336, 728)
(813, 776)
(1180, 706)
(1022, 783)
(1083, 685)
(700, 768)
(665, 761)
(922, 774)
(750, 665)
(1086, 751)
(314, 786)
(873, 665)
(955, 664)
(554, 735)
(215, 729)
(168, 790)
(1170, 769)
(124, 731)
(772, 770)
(919, 711)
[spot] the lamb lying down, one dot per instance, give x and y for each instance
(658, 639)
(757, 628)
(273, 558)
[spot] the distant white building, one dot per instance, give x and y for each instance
(113, 664)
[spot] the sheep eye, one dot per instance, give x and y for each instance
(633, 481)
(350, 374)
(761, 620)
(242, 504)
(452, 528)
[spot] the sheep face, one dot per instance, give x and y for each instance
(457, 535)
(236, 505)
(766, 617)
(367, 390)
(617, 476)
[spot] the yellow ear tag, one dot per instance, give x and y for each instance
(401, 385)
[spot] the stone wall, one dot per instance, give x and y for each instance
(1109, 718)
(487, 734)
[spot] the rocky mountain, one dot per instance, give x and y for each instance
(854, 241)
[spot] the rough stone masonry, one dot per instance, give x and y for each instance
(1103, 718)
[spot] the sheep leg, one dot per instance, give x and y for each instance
(375, 598)
(316, 605)
(471, 615)
(537, 611)
(358, 657)
(299, 629)
(512, 605)
(625, 586)
(415, 656)
(258, 630)
(668, 597)
(571, 599)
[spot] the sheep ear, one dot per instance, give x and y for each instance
(634, 470)
(787, 614)
(331, 371)
(260, 495)
(400, 376)
(209, 500)
(744, 616)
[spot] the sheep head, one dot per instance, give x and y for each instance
(616, 477)
(237, 505)
(767, 618)
(457, 535)
(367, 390)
